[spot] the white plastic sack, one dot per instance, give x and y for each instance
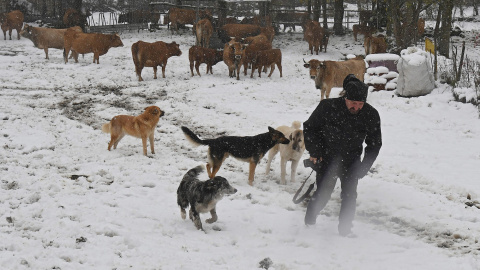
(415, 76)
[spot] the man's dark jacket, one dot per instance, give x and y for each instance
(332, 132)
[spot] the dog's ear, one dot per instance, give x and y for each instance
(290, 137)
(270, 129)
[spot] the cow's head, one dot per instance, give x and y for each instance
(116, 41)
(237, 49)
(26, 31)
(174, 49)
(316, 67)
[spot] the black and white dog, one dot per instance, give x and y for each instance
(201, 196)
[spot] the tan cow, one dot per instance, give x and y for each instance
(375, 45)
(45, 38)
(365, 30)
(154, 54)
(177, 16)
(329, 74)
(204, 31)
(232, 55)
(198, 55)
(10, 21)
(250, 53)
(238, 31)
(267, 58)
(82, 43)
(314, 35)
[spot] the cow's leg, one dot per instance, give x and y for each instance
(272, 68)
(163, 69)
(155, 72)
(279, 65)
(10, 33)
(191, 67)
(46, 52)
(5, 34)
(245, 66)
(197, 66)
(138, 70)
(253, 70)
(18, 33)
(259, 71)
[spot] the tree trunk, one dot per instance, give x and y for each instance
(446, 28)
(316, 10)
(338, 18)
(324, 11)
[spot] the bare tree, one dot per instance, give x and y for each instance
(338, 17)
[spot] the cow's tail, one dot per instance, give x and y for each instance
(107, 127)
(192, 138)
(135, 55)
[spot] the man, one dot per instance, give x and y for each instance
(334, 136)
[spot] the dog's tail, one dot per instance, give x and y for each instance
(192, 138)
(193, 173)
(106, 128)
(296, 124)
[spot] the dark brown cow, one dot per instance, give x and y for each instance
(365, 30)
(375, 45)
(82, 43)
(154, 54)
(250, 53)
(204, 31)
(45, 38)
(178, 16)
(139, 16)
(267, 58)
(232, 55)
(10, 21)
(329, 74)
(199, 55)
(314, 35)
(238, 31)
(73, 17)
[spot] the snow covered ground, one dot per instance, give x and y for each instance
(68, 203)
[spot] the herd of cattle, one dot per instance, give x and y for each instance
(246, 44)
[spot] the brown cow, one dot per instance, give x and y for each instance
(365, 30)
(269, 32)
(45, 38)
(198, 55)
(267, 58)
(10, 21)
(314, 35)
(238, 31)
(232, 55)
(250, 53)
(421, 27)
(329, 74)
(178, 16)
(204, 31)
(375, 45)
(82, 43)
(73, 17)
(154, 54)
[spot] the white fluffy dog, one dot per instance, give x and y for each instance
(288, 152)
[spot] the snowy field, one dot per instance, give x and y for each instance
(68, 203)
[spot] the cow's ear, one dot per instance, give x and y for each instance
(307, 65)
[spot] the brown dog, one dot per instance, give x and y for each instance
(142, 126)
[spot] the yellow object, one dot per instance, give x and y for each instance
(429, 46)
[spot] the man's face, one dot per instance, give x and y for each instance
(354, 106)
